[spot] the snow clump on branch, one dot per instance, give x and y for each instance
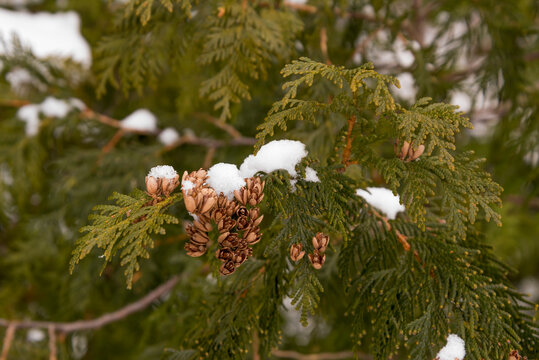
(453, 350)
(383, 200)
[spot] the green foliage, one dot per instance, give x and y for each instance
(217, 60)
(243, 43)
(143, 8)
(124, 229)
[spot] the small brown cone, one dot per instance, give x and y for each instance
(320, 242)
(417, 153)
(296, 252)
(153, 186)
(317, 259)
(227, 268)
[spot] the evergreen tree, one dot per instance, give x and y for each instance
(297, 125)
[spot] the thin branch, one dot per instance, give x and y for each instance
(113, 141)
(52, 343)
(320, 356)
(8, 339)
(68, 327)
(301, 7)
(238, 138)
(349, 140)
(194, 140)
(231, 130)
(324, 45)
(208, 159)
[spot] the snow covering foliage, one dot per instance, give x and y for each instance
(275, 155)
(168, 136)
(163, 172)
(19, 78)
(141, 120)
(453, 350)
(50, 107)
(383, 200)
(311, 175)
(46, 34)
(225, 178)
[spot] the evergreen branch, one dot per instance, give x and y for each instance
(125, 228)
(289, 354)
(105, 319)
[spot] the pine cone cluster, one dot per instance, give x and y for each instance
(237, 220)
(317, 258)
(320, 244)
(407, 152)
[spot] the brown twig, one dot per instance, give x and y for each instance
(301, 7)
(193, 140)
(256, 345)
(208, 159)
(231, 130)
(8, 339)
(320, 356)
(68, 327)
(113, 141)
(52, 343)
(349, 140)
(324, 45)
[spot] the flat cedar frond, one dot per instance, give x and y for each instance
(432, 125)
(351, 86)
(124, 228)
(243, 42)
(143, 8)
(305, 291)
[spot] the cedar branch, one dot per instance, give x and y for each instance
(105, 319)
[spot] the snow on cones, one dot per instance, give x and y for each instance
(237, 218)
(161, 181)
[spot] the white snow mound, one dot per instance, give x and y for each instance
(46, 34)
(225, 178)
(141, 120)
(275, 155)
(311, 175)
(383, 200)
(163, 171)
(454, 349)
(168, 136)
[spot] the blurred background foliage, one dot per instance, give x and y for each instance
(482, 55)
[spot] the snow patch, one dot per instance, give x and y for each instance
(225, 178)
(311, 175)
(453, 350)
(168, 136)
(383, 200)
(35, 335)
(275, 155)
(163, 172)
(30, 115)
(46, 34)
(187, 186)
(50, 107)
(141, 120)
